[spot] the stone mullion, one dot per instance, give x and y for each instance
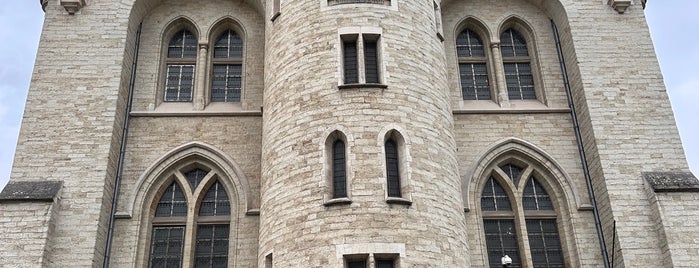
(200, 78)
(501, 86)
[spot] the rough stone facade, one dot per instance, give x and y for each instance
(272, 151)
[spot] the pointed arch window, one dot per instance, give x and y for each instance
(503, 213)
(208, 199)
(339, 168)
(227, 71)
(517, 65)
(392, 169)
(180, 64)
(473, 70)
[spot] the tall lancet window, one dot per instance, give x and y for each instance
(499, 224)
(473, 70)
(392, 169)
(226, 82)
(517, 65)
(339, 169)
(180, 65)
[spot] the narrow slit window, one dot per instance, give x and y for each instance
(371, 61)
(349, 58)
(339, 170)
(392, 171)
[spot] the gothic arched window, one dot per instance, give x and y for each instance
(517, 66)
(392, 169)
(506, 199)
(210, 236)
(227, 71)
(473, 69)
(339, 164)
(180, 64)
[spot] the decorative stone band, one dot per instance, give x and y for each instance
(672, 181)
(28, 191)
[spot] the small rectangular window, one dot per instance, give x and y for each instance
(371, 61)
(269, 260)
(385, 263)
(356, 261)
(349, 58)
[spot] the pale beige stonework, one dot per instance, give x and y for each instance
(271, 149)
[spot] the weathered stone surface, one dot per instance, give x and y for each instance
(672, 181)
(31, 191)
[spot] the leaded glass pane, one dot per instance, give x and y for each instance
(228, 45)
(535, 197)
(545, 244)
(339, 170)
(349, 58)
(211, 246)
(215, 202)
(512, 44)
(182, 45)
(494, 197)
(173, 202)
(520, 81)
(179, 83)
(501, 240)
(195, 176)
(384, 263)
(392, 169)
(468, 44)
(371, 62)
(474, 81)
(226, 83)
(356, 264)
(512, 171)
(166, 246)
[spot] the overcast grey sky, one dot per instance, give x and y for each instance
(674, 28)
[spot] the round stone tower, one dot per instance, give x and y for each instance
(322, 84)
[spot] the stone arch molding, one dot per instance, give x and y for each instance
(207, 154)
(510, 146)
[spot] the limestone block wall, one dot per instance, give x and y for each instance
(72, 120)
(303, 105)
(27, 233)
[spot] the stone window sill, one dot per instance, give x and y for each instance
(366, 85)
(338, 202)
(398, 200)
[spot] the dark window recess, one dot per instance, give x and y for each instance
(227, 69)
(166, 247)
(501, 240)
(371, 63)
(494, 197)
(535, 197)
(512, 171)
(215, 202)
(179, 83)
(195, 176)
(226, 83)
(182, 45)
(384, 264)
(349, 58)
(339, 170)
(474, 81)
(211, 246)
(173, 202)
(544, 244)
(392, 172)
(356, 264)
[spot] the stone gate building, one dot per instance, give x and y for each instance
(348, 133)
